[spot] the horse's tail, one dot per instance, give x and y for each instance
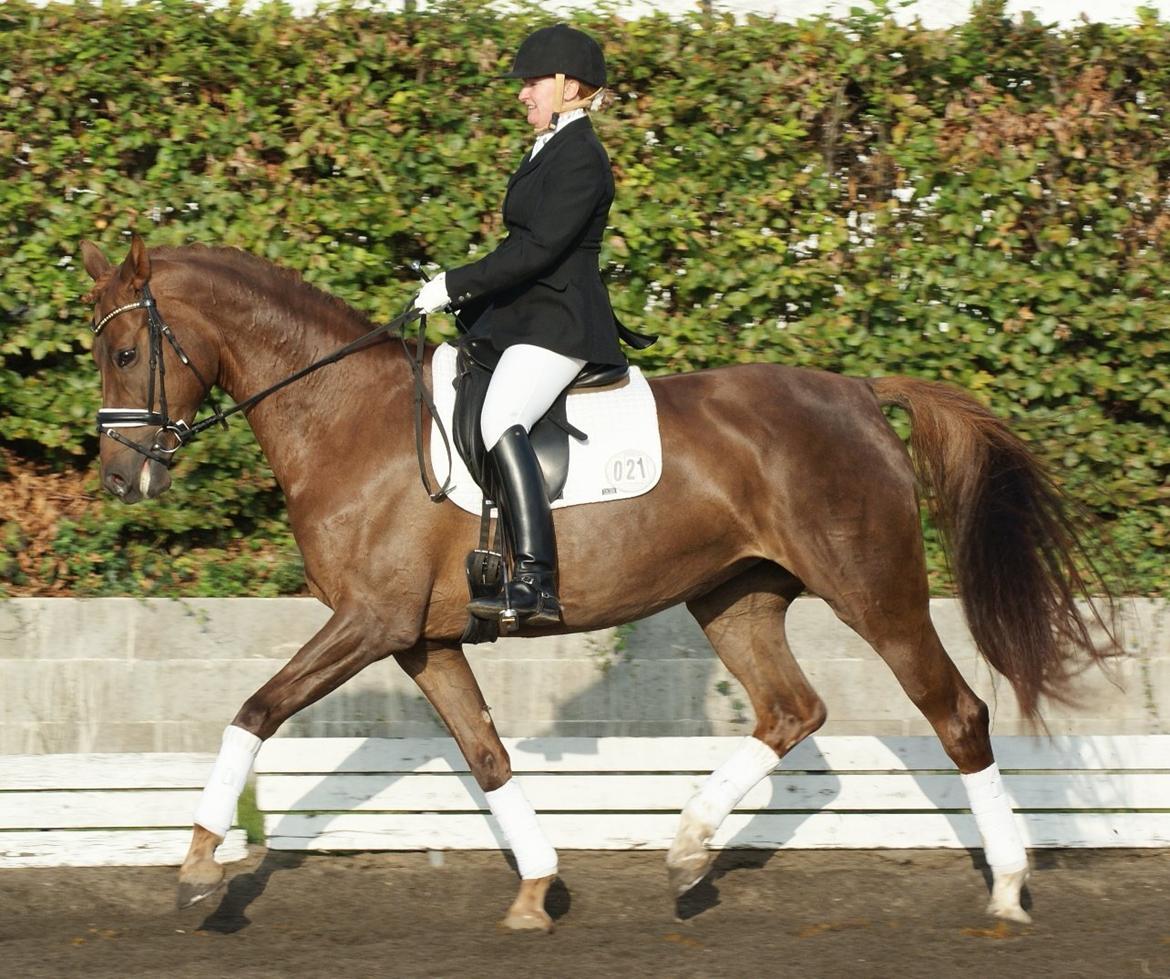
(1014, 549)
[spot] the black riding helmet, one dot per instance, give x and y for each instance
(560, 50)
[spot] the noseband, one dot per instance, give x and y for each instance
(172, 433)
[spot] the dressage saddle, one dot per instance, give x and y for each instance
(474, 363)
(476, 360)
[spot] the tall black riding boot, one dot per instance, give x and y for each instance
(531, 592)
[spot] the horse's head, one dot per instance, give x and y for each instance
(151, 385)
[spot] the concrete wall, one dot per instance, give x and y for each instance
(124, 674)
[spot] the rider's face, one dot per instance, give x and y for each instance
(539, 96)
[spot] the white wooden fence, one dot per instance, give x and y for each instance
(102, 809)
(592, 793)
(625, 793)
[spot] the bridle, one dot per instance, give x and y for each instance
(173, 433)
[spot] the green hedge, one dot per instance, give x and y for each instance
(986, 205)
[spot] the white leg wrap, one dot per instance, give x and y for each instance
(217, 804)
(993, 814)
(535, 857)
(730, 782)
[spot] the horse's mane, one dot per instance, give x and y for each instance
(269, 278)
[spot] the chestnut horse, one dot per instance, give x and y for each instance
(775, 482)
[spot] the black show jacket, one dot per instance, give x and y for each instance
(541, 285)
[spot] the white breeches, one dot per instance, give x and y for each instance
(524, 385)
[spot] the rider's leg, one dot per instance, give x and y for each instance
(525, 383)
(519, 491)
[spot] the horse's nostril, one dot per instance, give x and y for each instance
(116, 484)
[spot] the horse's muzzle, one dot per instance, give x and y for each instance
(134, 477)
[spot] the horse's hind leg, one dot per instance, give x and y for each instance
(346, 643)
(444, 676)
(744, 621)
(907, 641)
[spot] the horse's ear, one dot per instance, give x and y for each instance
(96, 263)
(135, 269)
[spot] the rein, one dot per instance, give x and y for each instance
(179, 433)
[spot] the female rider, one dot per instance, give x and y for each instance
(540, 298)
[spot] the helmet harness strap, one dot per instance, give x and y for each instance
(590, 103)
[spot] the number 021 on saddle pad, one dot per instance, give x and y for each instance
(621, 458)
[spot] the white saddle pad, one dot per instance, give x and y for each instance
(621, 458)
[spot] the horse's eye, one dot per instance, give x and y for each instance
(124, 358)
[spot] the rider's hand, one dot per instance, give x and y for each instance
(433, 295)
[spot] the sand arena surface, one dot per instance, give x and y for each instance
(801, 913)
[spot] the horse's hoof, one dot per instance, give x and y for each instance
(685, 872)
(1010, 913)
(527, 911)
(688, 860)
(1005, 897)
(527, 921)
(191, 894)
(199, 881)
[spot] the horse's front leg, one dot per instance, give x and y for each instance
(444, 676)
(348, 642)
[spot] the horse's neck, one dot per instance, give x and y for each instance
(324, 417)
